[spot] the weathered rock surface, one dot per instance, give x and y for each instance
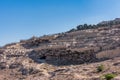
(62, 56)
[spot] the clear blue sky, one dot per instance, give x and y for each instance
(21, 19)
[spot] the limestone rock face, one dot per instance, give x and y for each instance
(62, 56)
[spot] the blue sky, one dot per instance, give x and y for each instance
(21, 19)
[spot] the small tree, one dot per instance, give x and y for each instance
(79, 27)
(72, 30)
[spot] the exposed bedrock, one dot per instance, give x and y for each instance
(62, 56)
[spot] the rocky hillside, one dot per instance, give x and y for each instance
(73, 55)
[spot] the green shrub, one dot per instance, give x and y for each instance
(109, 76)
(100, 68)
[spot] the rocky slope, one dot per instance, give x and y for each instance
(73, 55)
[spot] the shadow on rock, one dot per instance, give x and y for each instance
(62, 56)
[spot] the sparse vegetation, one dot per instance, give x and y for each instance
(109, 76)
(100, 68)
(101, 24)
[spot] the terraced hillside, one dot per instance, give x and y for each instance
(72, 55)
